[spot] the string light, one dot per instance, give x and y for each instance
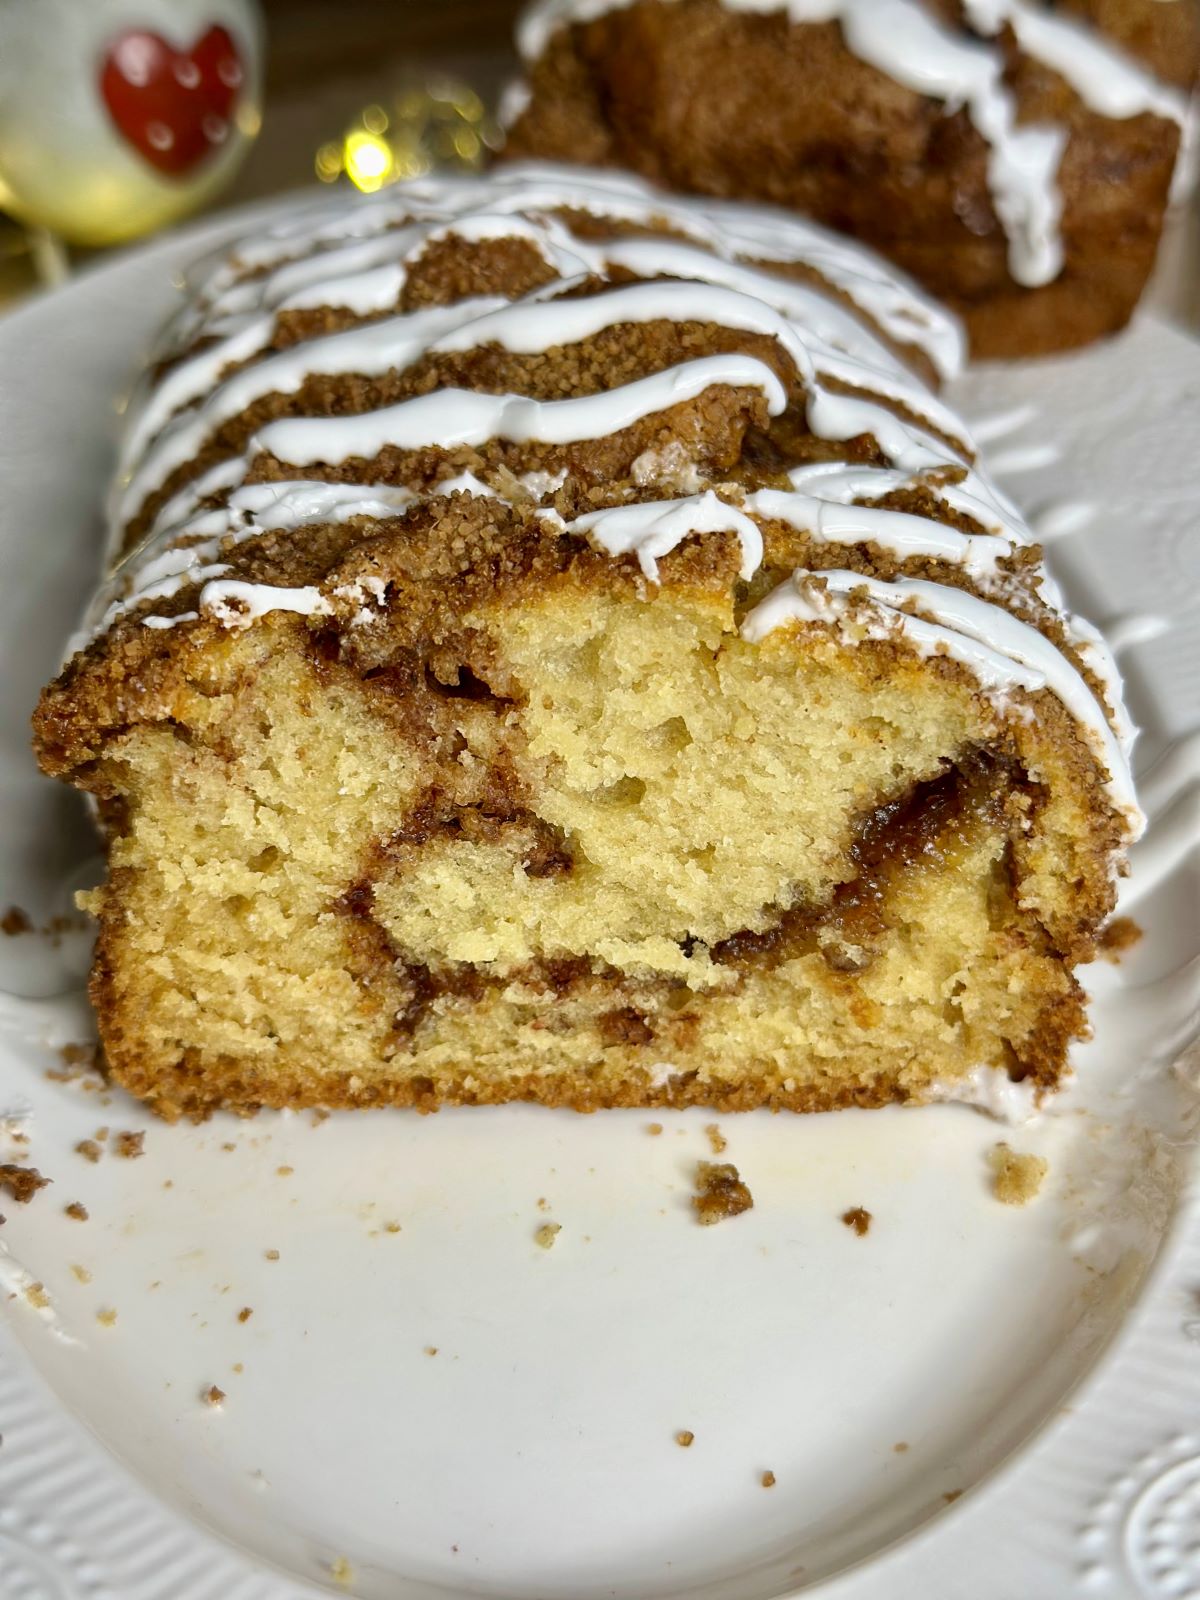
(439, 122)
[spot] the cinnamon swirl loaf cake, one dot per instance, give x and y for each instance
(1016, 157)
(557, 647)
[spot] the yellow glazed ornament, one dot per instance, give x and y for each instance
(118, 116)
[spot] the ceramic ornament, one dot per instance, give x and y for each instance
(118, 116)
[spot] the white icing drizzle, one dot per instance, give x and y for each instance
(655, 528)
(1002, 652)
(536, 190)
(448, 418)
(903, 40)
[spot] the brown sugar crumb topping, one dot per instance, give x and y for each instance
(1016, 1178)
(129, 1145)
(684, 1438)
(15, 921)
(720, 1192)
(77, 1210)
(213, 1396)
(1121, 934)
(89, 1150)
(22, 1183)
(716, 1138)
(858, 1219)
(245, 1313)
(767, 1480)
(547, 1234)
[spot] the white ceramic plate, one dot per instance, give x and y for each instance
(970, 1400)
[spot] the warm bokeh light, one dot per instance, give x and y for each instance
(441, 122)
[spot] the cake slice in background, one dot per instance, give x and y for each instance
(557, 649)
(1015, 158)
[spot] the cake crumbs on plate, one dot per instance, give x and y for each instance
(341, 1571)
(720, 1192)
(36, 1295)
(951, 1495)
(77, 1210)
(684, 1438)
(900, 1446)
(245, 1314)
(547, 1233)
(542, 1203)
(129, 1145)
(858, 1219)
(391, 1227)
(212, 1396)
(89, 1150)
(431, 1349)
(15, 921)
(22, 1183)
(81, 1274)
(654, 1129)
(1016, 1178)
(106, 1317)
(1121, 934)
(767, 1480)
(716, 1139)
(284, 1171)
(271, 1255)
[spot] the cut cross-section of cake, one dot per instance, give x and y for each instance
(557, 647)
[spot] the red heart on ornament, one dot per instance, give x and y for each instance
(173, 106)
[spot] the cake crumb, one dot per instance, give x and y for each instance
(22, 1183)
(229, 1145)
(547, 1234)
(767, 1480)
(319, 1116)
(106, 1317)
(684, 1438)
(271, 1255)
(1016, 1178)
(77, 1210)
(212, 1396)
(341, 1571)
(900, 1447)
(80, 1273)
(431, 1349)
(101, 1135)
(951, 1495)
(716, 1139)
(89, 1150)
(720, 1192)
(391, 1227)
(15, 921)
(238, 1368)
(858, 1219)
(542, 1203)
(245, 1313)
(654, 1129)
(1121, 934)
(129, 1145)
(284, 1172)
(36, 1294)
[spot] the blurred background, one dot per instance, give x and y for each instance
(121, 117)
